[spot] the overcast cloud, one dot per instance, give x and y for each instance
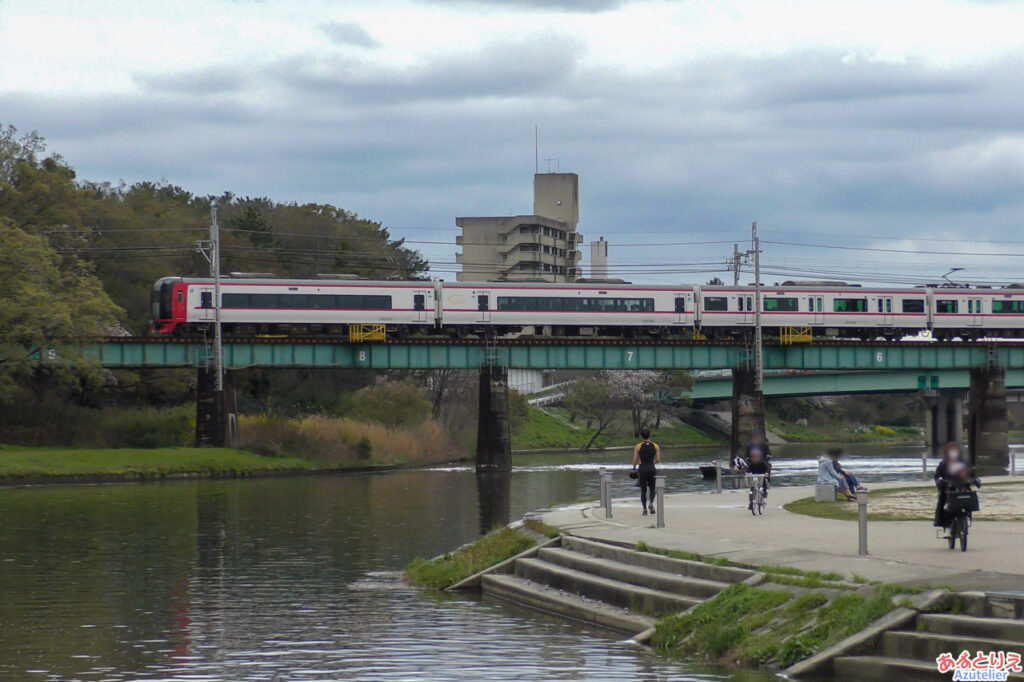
(889, 127)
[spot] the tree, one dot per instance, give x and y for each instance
(716, 281)
(41, 305)
(592, 399)
(391, 403)
(646, 393)
(253, 224)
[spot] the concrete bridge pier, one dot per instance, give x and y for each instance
(213, 423)
(747, 408)
(493, 437)
(943, 417)
(988, 424)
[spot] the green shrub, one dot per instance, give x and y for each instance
(391, 403)
(496, 546)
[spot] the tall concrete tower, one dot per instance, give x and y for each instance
(599, 259)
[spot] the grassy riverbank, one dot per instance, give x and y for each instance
(446, 570)
(58, 463)
(999, 502)
(551, 429)
(772, 626)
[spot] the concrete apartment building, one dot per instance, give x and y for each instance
(543, 247)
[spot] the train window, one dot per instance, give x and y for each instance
(970, 306)
(483, 303)
(680, 305)
(181, 297)
(913, 305)
(565, 304)
(888, 305)
(820, 303)
(849, 305)
(206, 299)
(945, 306)
(788, 305)
(308, 301)
(419, 302)
(1008, 307)
(716, 303)
(740, 300)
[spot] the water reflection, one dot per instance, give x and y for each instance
(494, 499)
(300, 577)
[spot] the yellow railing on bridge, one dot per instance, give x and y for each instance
(790, 335)
(358, 333)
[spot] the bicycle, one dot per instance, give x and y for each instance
(756, 482)
(961, 501)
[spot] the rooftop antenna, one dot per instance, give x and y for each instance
(549, 160)
(951, 271)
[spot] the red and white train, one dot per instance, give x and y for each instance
(253, 306)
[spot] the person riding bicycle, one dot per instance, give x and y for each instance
(758, 464)
(952, 455)
(951, 474)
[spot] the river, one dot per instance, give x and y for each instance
(300, 578)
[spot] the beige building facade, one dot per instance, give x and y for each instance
(543, 247)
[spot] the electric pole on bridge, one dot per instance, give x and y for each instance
(758, 358)
(211, 250)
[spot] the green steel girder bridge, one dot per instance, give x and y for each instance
(846, 382)
(146, 352)
(984, 367)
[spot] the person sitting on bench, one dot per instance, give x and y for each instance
(828, 474)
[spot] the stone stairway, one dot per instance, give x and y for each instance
(611, 586)
(979, 622)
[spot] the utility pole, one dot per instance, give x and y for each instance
(218, 345)
(735, 265)
(758, 358)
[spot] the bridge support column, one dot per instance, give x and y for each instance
(747, 408)
(493, 438)
(943, 418)
(988, 423)
(213, 425)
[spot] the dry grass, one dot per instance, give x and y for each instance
(337, 442)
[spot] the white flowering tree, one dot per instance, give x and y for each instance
(644, 392)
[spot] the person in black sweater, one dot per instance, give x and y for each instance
(646, 455)
(951, 454)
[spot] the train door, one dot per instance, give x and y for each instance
(745, 304)
(419, 304)
(205, 312)
(816, 306)
(483, 305)
(974, 312)
(681, 309)
(885, 309)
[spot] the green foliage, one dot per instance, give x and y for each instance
(496, 546)
(711, 628)
(518, 410)
(391, 403)
(148, 427)
(542, 528)
(364, 448)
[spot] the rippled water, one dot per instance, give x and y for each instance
(299, 578)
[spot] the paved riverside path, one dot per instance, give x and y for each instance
(720, 525)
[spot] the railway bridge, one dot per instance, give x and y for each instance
(983, 363)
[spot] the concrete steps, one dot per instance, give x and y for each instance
(972, 626)
(607, 585)
(608, 590)
(909, 653)
(926, 646)
(697, 588)
(543, 598)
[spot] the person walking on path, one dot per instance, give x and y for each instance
(646, 455)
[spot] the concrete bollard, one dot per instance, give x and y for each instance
(862, 522)
(1013, 463)
(607, 485)
(659, 492)
(924, 464)
(718, 477)
(600, 486)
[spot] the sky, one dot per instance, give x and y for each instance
(874, 141)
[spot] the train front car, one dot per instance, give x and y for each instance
(822, 309)
(567, 310)
(167, 305)
(272, 307)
